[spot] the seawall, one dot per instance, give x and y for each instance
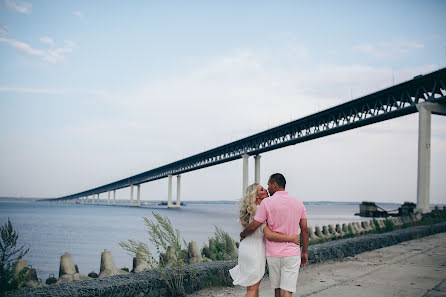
(199, 276)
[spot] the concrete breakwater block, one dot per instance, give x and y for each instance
(193, 253)
(29, 277)
(140, 262)
(108, 267)
(67, 270)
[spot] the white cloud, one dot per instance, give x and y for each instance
(22, 7)
(47, 40)
(52, 55)
(78, 14)
(389, 49)
(25, 90)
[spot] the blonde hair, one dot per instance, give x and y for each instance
(248, 205)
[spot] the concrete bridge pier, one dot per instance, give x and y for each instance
(138, 195)
(425, 111)
(169, 192)
(99, 201)
(245, 172)
(114, 197)
(108, 198)
(131, 195)
(245, 158)
(178, 190)
(257, 168)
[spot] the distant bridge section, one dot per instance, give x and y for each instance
(396, 101)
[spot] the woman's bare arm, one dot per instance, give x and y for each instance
(274, 236)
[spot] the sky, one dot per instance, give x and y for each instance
(96, 91)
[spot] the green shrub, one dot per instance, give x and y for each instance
(378, 228)
(171, 259)
(9, 253)
(390, 226)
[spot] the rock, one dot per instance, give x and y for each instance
(140, 262)
(193, 253)
(311, 234)
(351, 227)
(79, 277)
(19, 266)
(51, 280)
(108, 267)
(65, 278)
(66, 265)
(332, 231)
(365, 226)
(345, 228)
(31, 275)
(339, 230)
(68, 271)
(93, 274)
(319, 233)
(326, 233)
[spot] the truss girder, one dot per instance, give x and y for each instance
(386, 104)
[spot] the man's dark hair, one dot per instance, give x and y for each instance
(279, 179)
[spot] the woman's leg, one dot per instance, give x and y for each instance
(253, 291)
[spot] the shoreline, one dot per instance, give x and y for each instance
(412, 268)
(203, 275)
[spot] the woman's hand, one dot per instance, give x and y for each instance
(296, 239)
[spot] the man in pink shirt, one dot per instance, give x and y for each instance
(285, 215)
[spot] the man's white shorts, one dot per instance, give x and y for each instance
(283, 272)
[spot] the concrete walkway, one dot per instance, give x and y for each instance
(411, 268)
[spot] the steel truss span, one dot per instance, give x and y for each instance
(383, 105)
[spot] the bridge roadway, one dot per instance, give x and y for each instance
(395, 101)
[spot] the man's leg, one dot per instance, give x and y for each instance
(274, 274)
(288, 275)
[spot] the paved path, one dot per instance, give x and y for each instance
(411, 268)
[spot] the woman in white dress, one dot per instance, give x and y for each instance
(251, 253)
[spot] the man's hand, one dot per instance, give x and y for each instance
(303, 259)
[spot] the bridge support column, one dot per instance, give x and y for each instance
(99, 201)
(131, 195)
(169, 190)
(138, 195)
(108, 198)
(178, 190)
(245, 172)
(114, 197)
(424, 152)
(257, 169)
(92, 199)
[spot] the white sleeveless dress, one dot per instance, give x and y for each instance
(251, 260)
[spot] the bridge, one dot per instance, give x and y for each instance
(425, 94)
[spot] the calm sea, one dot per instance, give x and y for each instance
(84, 231)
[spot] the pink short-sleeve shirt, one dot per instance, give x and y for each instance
(283, 214)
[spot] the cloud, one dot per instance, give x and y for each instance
(23, 7)
(25, 90)
(3, 30)
(78, 14)
(388, 49)
(52, 55)
(47, 40)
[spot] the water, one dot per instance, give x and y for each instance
(84, 231)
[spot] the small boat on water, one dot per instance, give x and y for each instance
(174, 203)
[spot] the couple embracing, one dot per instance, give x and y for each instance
(271, 232)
